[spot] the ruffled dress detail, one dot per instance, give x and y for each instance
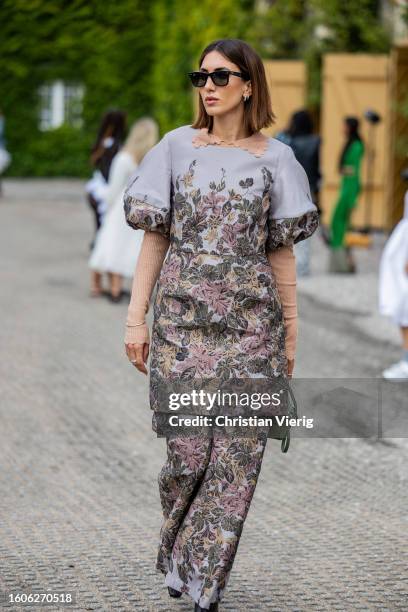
(256, 144)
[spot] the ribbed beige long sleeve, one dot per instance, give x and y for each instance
(149, 263)
(283, 264)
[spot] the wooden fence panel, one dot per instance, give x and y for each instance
(352, 84)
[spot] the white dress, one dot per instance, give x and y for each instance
(393, 279)
(117, 245)
(96, 186)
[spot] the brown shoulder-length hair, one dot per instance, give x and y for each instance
(258, 111)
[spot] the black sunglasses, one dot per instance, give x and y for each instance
(219, 77)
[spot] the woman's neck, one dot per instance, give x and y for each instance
(229, 128)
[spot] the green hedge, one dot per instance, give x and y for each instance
(104, 46)
(60, 152)
(134, 55)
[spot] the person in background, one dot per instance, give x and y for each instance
(393, 287)
(5, 157)
(108, 142)
(306, 147)
(117, 245)
(341, 259)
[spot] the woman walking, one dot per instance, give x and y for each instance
(117, 245)
(349, 168)
(108, 142)
(221, 205)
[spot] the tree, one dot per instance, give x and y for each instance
(102, 45)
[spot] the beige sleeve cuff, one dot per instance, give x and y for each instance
(137, 335)
(149, 263)
(283, 264)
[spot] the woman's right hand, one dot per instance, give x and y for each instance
(137, 340)
(138, 354)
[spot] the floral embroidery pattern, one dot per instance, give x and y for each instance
(142, 215)
(217, 314)
(199, 540)
(283, 232)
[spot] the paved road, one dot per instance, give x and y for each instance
(79, 505)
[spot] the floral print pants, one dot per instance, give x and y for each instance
(206, 487)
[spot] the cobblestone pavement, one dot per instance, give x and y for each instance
(79, 504)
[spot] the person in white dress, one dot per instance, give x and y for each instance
(108, 141)
(117, 245)
(393, 288)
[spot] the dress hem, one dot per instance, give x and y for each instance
(176, 583)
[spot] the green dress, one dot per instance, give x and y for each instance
(349, 191)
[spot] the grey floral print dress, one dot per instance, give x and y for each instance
(217, 313)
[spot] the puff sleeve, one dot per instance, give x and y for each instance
(147, 197)
(292, 215)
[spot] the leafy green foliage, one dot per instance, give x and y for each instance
(342, 27)
(307, 29)
(102, 45)
(182, 29)
(135, 55)
(57, 152)
(281, 30)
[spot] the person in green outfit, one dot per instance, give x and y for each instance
(349, 168)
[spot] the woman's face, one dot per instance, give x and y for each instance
(225, 98)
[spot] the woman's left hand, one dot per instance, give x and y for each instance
(291, 365)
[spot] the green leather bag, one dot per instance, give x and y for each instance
(283, 432)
